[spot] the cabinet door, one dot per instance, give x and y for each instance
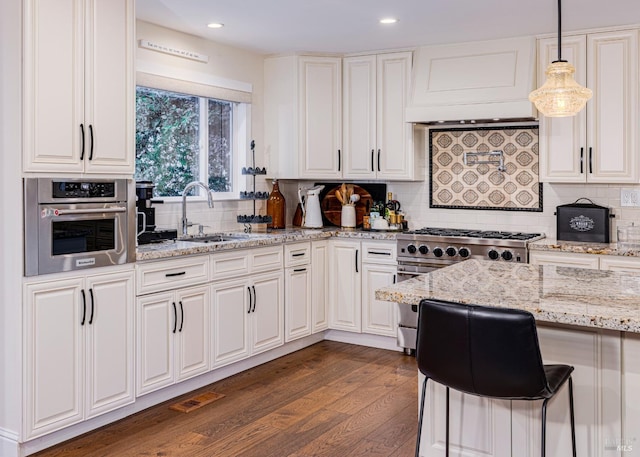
(564, 260)
(359, 111)
(395, 154)
(53, 85)
(192, 345)
(344, 286)
(319, 285)
(563, 147)
(109, 91)
(613, 118)
(157, 319)
(297, 299)
(320, 117)
(378, 317)
(267, 316)
(54, 355)
(229, 321)
(109, 342)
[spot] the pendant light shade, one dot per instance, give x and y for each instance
(560, 95)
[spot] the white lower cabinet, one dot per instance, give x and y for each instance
(591, 261)
(247, 316)
(378, 317)
(79, 349)
(297, 295)
(173, 337)
(357, 270)
(345, 282)
(319, 286)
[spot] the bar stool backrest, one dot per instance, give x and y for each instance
(491, 352)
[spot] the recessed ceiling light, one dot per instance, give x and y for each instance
(215, 25)
(388, 20)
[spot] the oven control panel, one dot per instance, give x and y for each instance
(83, 189)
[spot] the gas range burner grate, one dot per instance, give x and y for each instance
(487, 234)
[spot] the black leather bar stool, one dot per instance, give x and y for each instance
(488, 352)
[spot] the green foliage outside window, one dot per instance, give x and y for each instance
(168, 128)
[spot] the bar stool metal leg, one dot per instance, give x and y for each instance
(446, 453)
(544, 428)
(421, 415)
(573, 420)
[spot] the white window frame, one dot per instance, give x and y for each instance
(240, 128)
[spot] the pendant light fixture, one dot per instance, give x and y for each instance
(560, 95)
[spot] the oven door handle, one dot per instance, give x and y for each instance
(52, 212)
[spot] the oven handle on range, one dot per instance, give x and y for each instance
(52, 212)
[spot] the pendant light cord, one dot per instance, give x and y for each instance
(560, 32)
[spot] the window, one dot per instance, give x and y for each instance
(182, 138)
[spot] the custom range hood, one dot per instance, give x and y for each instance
(480, 81)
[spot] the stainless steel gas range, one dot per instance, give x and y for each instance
(424, 250)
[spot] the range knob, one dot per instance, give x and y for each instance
(451, 251)
(438, 252)
(493, 254)
(412, 249)
(423, 249)
(507, 255)
(464, 253)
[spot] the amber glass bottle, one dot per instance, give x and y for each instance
(276, 208)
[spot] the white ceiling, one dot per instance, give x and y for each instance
(346, 26)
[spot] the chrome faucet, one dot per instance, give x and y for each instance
(187, 188)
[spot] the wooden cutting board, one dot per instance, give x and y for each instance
(332, 208)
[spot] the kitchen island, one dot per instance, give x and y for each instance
(586, 318)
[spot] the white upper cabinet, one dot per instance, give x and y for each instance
(377, 141)
(599, 144)
(79, 103)
(320, 117)
(303, 117)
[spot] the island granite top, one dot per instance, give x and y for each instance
(573, 296)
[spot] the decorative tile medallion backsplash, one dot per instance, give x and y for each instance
(485, 168)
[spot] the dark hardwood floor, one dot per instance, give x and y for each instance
(330, 399)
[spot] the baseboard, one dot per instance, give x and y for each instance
(363, 339)
(9, 446)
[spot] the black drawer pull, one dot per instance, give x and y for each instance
(339, 160)
(372, 154)
(299, 270)
(84, 307)
(82, 134)
(92, 306)
(91, 144)
(255, 298)
(170, 275)
(298, 254)
(250, 300)
(581, 160)
(590, 160)
(378, 159)
(175, 318)
(379, 253)
(181, 316)
(357, 251)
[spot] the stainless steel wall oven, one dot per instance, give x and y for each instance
(74, 224)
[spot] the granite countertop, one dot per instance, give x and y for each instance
(171, 249)
(578, 247)
(574, 296)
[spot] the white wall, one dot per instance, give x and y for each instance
(227, 66)
(11, 222)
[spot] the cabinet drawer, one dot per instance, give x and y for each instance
(617, 263)
(229, 264)
(172, 274)
(379, 252)
(238, 263)
(297, 254)
(265, 259)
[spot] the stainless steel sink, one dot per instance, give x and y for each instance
(216, 238)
